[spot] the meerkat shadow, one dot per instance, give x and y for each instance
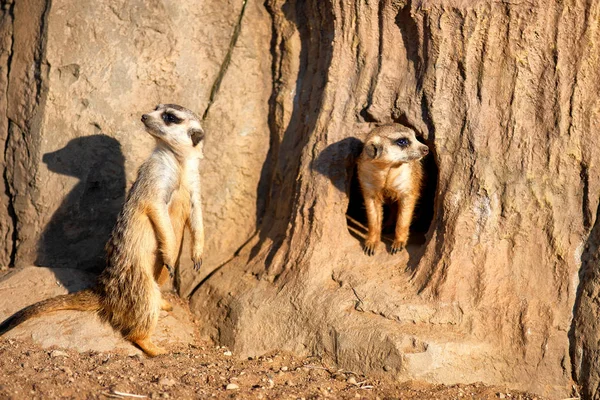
(78, 230)
(337, 162)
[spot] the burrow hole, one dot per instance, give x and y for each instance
(422, 218)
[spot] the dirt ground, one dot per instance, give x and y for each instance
(201, 370)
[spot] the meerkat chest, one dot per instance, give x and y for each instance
(389, 182)
(180, 202)
(398, 181)
(189, 181)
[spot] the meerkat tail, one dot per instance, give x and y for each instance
(85, 300)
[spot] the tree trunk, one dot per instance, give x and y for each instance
(505, 95)
(24, 90)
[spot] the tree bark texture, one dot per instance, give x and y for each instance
(505, 95)
(503, 285)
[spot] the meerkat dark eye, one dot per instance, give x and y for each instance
(170, 118)
(402, 142)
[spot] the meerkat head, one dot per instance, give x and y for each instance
(393, 144)
(174, 125)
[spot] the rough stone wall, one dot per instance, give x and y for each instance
(23, 100)
(101, 65)
(505, 94)
(6, 219)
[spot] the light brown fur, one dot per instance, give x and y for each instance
(146, 239)
(389, 169)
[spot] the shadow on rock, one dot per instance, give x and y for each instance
(337, 162)
(80, 227)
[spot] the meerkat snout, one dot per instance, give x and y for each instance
(174, 125)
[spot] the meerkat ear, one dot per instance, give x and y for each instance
(373, 150)
(196, 134)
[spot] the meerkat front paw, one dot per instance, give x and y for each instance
(398, 246)
(370, 247)
(197, 263)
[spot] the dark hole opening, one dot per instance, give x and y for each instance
(422, 217)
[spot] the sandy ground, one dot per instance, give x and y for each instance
(201, 370)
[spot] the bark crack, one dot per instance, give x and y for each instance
(22, 145)
(358, 306)
(226, 61)
(365, 112)
(10, 207)
(585, 204)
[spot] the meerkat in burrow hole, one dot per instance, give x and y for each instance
(389, 168)
(145, 242)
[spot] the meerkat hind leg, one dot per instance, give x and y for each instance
(148, 347)
(165, 305)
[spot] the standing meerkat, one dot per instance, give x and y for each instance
(146, 239)
(389, 168)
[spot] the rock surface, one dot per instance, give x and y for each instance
(506, 96)
(500, 289)
(81, 331)
(101, 66)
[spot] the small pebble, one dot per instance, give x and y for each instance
(58, 353)
(232, 386)
(501, 395)
(340, 377)
(352, 380)
(228, 353)
(284, 368)
(166, 382)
